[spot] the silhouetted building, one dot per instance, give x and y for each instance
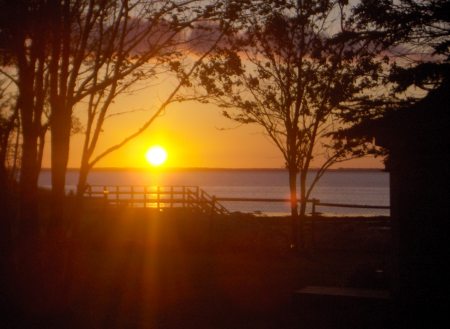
(417, 139)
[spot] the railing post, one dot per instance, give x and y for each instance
(132, 195)
(197, 198)
(313, 211)
(184, 196)
(105, 195)
(204, 200)
(213, 203)
(157, 198)
(171, 196)
(211, 217)
(313, 229)
(117, 195)
(145, 196)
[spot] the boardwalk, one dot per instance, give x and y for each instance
(158, 197)
(192, 197)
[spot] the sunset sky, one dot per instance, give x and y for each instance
(194, 135)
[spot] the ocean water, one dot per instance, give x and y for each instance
(361, 187)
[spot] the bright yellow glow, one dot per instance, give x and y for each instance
(156, 155)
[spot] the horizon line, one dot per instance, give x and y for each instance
(215, 169)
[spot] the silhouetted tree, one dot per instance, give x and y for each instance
(9, 115)
(24, 28)
(413, 34)
(100, 51)
(281, 69)
(412, 39)
(173, 38)
(8, 163)
(69, 51)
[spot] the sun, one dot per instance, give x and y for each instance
(156, 155)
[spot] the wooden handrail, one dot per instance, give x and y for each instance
(157, 197)
(346, 205)
(190, 196)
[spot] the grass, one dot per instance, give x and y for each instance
(141, 269)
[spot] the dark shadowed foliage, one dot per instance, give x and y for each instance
(416, 137)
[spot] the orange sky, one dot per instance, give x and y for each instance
(194, 135)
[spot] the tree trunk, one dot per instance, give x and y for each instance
(3, 159)
(82, 180)
(60, 141)
(30, 166)
(29, 173)
(303, 203)
(79, 202)
(294, 208)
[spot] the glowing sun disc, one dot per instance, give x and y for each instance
(156, 155)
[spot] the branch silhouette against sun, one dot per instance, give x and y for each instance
(76, 57)
(170, 53)
(413, 37)
(413, 34)
(281, 69)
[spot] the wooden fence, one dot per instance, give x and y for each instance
(188, 197)
(314, 202)
(157, 197)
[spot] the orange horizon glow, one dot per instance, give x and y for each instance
(195, 136)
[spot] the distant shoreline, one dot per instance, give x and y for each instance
(207, 169)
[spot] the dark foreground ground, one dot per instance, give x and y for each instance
(133, 269)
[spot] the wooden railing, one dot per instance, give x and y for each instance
(157, 197)
(188, 197)
(315, 203)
